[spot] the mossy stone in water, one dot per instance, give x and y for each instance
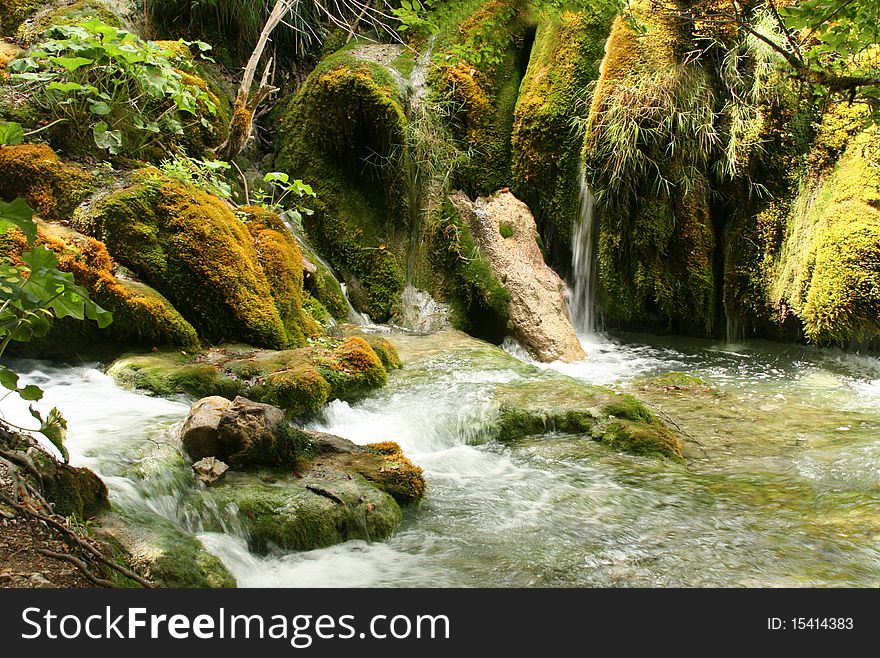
(319, 510)
(557, 404)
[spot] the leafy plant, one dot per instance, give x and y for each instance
(206, 175)
(281, 188)
(33, 295)
(126, 92)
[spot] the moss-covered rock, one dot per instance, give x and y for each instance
(348, 117)
(165, 554)
(72, 491)
(546, 153)
(619, 421)
(14, 12)
(480, 61)
(828, 269)
(648, 151)
(51, 187)
(190, 246)
(299, 381)
(323, 508)
(141, 316)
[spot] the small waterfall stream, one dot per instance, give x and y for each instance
(789, 500)
(582, 302)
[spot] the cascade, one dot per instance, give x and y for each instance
(582, 303)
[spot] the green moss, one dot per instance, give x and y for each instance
(169, 373)
(282, 513)
(561, 405)
(192, 249)
(649, 170)
(51, 187)
(386, 352)
(506, 230)
(546, 153)
(352, 368)
(68, 13)
(72, 491)
(827, 273)
(346, 121)
(479, 54)
(651, 440)
(479, 301)
(672, 381)
(14, 12)
(299, 381)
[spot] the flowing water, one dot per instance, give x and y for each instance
(786, 490)
(582, 303)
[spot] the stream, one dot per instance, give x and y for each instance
(782, 486)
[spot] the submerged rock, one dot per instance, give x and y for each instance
(619, 421)
(505, 232)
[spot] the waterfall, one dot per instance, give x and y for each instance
(582, 302)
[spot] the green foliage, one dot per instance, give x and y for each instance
(281, 188)
(207, 175)
(11, 133)
(33, 295)
(128, 93)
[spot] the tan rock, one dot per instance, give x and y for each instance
(538, 310)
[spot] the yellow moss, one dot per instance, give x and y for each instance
(397, 474)
(190, 246)
(51, 187)
(282, 262)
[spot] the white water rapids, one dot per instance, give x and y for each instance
(795, 501)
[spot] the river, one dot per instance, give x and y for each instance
(782, 486)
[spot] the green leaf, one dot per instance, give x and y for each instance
(276, 177)
(100, 108)
(18, 214)
(71, 63)
(106, 138)
(11, 133)
(8, 379)
(65, 87)
(31, 393)
(53, 428)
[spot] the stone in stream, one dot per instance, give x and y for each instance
(505, 231)
(210, 470)
(240, 432)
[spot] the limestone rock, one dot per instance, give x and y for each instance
(210, 470)
(505, 230)
(199, 434)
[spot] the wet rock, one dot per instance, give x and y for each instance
(210, 471)
(505, 231)
(72, 491)
(255, 433)
(199, 434)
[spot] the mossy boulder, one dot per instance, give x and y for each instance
(673, 381)
(72, 491)
(165, 554)
(619, 421)
(192, 248)
(241, 431)
(323, 508)
(51, 187)
(141, 316)
(348, 115)
(299, 381)
(650, 172)
(827, 272)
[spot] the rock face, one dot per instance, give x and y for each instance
(505, 233)
(239, 432)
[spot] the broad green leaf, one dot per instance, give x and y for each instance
(106, 138)
(31, 393)
(8, 379)
(19, 214)
(54, 428)
(65, 87)
(11, 133)
(71, 63)
(276, 177)
(100, 108)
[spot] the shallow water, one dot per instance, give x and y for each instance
(782, 489)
